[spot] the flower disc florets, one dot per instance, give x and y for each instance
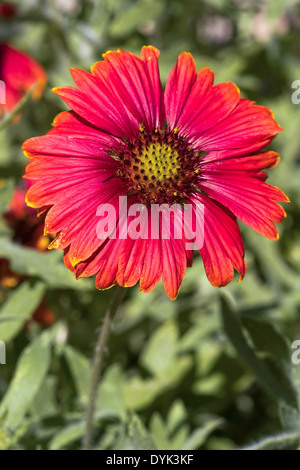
(158, 167)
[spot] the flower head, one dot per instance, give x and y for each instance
(19, 73)
(194, 145)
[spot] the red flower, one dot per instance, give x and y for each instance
(7, 10)
(19, 72)
(26, 226)
(195, 143)
(43, 315)
(27, 230)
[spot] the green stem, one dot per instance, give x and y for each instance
(98, 363)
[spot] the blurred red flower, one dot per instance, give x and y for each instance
(19, 73)
(27, 230)
(8, 10)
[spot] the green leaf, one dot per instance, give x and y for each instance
(158, 355)
(177, 415)
(290, 418)
(160, 433)
(110, 399)
(266, 337)
(137, 436)
(135, 16)
(76, 430)
(110, 394)
(71, 433)
(9, 439)
(275, 380)
(200, 435)
(81, 372)
(6, 192)
(30, 372)
(172, 434)
(19, 307)
(141, 393)
(44, 403)
(206, 326)
(46, 266)
(279, 442)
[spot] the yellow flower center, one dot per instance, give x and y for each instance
(158, 163)
(158, 167)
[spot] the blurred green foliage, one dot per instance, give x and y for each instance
(213, 369)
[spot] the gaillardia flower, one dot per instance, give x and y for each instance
(19, 72)
(193, 144)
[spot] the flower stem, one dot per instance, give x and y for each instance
(98, 363)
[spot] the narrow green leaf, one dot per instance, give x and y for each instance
(290, 418)
(275, 381)
(279, 442)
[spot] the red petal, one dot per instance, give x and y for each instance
(178, 87)
(136, 81)
(223, 246)
(239, 184)
(248, 126)
(205, 111)
(70, 124)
